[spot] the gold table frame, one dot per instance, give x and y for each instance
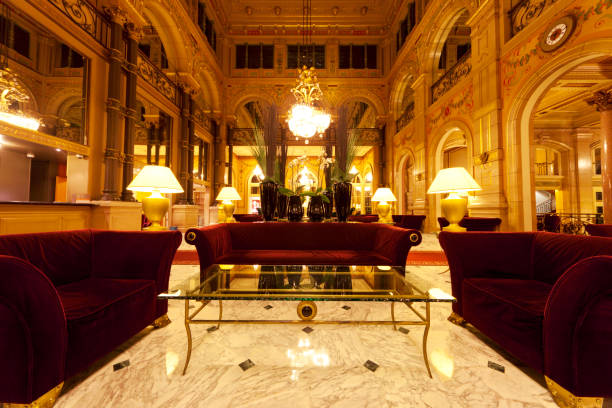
(424, 320)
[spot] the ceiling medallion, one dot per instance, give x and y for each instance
(557, 34)
(304, 119)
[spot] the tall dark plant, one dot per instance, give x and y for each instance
(264, 149)
(281, 162)
(345, 148)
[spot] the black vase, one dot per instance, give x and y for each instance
(281, 205)
(328, 207)
(295, 211)
(268, 192)
(342, 199)
(316, 211)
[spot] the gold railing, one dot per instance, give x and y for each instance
(87, 17)
(546, 169)
(406, 118)
(458, 71)
(525, 11)
(155, 76)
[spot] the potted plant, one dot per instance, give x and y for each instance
(281, 161)
(345, 153)
(295, 211)
(264, 151)
(318, 198)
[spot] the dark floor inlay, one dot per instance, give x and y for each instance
(404, 330)
(370, 365)
(345, 307)
(245, 365)
(497, 367)
(121, 365)
(212, 329)
(307, 330)
(268, 307)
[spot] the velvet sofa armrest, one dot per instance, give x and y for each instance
(578, 326)
(33, 334)
(395, 242)
(136, 255)
(486, 254)
(211, 242)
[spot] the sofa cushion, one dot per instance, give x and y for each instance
(509, 311)
(555, 253)
(103, 313)
(63, 256)
(303, 257)
(305, 236)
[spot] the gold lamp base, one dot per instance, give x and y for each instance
(566, 399)
(384, 212)
(454, 208)
(228, 211)
(155, 208)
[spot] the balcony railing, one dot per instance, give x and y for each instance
(406, 118)
(458, 71)
(87, 17)
(573, 223)
(155, 77)
(525, 11)
(546, 169)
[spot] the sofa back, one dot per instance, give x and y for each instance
(554, 253)
(303, 236)
(64, 256)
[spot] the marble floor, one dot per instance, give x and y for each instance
(293, 368)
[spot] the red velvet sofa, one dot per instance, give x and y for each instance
(309, 243)
(363, 218)
(409, 221)
(599, 230)
(68, 298)
(544, 297)
(474, 223)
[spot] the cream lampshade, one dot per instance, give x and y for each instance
(453, 180)
(157, 180)
(384, 196)
(227, 196)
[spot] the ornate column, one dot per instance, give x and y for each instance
(112, 154)
(221, 137)
(603, 101)
(186, 146)
(130, 103)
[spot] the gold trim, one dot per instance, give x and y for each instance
(456, 319)
(310, 307)
(47, 400)
(414, 237)
(190, 237)
(161, 321)
(43, 139)
(566, 399)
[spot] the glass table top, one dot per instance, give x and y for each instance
(306, 282)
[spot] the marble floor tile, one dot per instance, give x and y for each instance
(324, 368)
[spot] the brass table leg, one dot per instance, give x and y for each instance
(426, 331)
(187, 319)
(393, 315)
(220, 313)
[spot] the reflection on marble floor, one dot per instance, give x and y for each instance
(324, 368)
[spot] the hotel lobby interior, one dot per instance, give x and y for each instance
(306, 203)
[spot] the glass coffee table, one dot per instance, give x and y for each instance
(307, 284)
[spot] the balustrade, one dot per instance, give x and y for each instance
(454, 74)
(406, 117)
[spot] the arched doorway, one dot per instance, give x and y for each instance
(551, 98)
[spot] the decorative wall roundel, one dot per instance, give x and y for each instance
(557, 34)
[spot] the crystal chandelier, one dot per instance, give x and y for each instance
(304, 119)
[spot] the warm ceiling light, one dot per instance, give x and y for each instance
(30, 155)
(20, 121)
(58, 150)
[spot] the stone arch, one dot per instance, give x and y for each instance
(436, 146)
(209, 88)
(439, 33)
(366, 97)
(519, 177)
(401, 176)
(174, 41)
(401, 85)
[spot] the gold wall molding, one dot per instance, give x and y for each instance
(42, 138)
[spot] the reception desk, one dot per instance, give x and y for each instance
(18, 217)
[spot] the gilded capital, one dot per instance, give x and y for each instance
(602, 100)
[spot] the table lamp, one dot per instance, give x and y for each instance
(453, 180)
(384, 195)
(227, 196)
(157, 180)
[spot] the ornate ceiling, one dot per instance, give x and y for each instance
(564, 104)
(288, 13)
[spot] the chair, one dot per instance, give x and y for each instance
(599, 230)
(474, 223)
(409, 221)
(552, 223)
(248, 217)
